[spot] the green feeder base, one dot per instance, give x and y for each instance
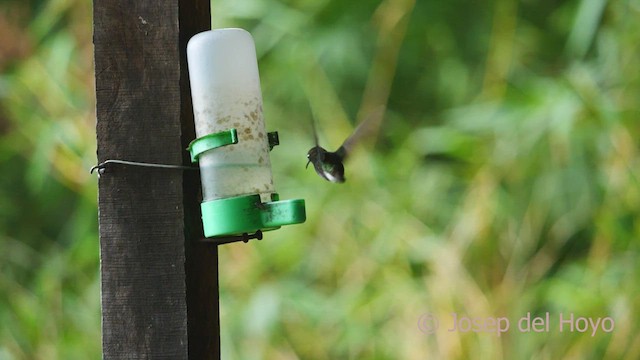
(247, 214)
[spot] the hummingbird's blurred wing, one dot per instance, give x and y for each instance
(316, 153)
(366, 128)
(315, 131)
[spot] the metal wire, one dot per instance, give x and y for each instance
(103, 165)
(221, 240)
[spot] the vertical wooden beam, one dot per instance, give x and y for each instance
(159, 284)
(201, 258)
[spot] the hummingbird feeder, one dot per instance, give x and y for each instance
(232, 146)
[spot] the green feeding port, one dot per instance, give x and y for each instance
(247, 214)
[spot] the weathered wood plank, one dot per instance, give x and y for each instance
(159, 285)
(201, 258)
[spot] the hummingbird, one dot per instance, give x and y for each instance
(330, 164)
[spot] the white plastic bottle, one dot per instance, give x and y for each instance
(225, 87)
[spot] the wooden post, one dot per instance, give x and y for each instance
(159, 283)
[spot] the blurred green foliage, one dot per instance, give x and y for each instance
(49, 265)
(503, 180)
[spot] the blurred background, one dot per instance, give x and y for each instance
(503, 180)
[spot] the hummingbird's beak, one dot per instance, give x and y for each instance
(307, 166)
